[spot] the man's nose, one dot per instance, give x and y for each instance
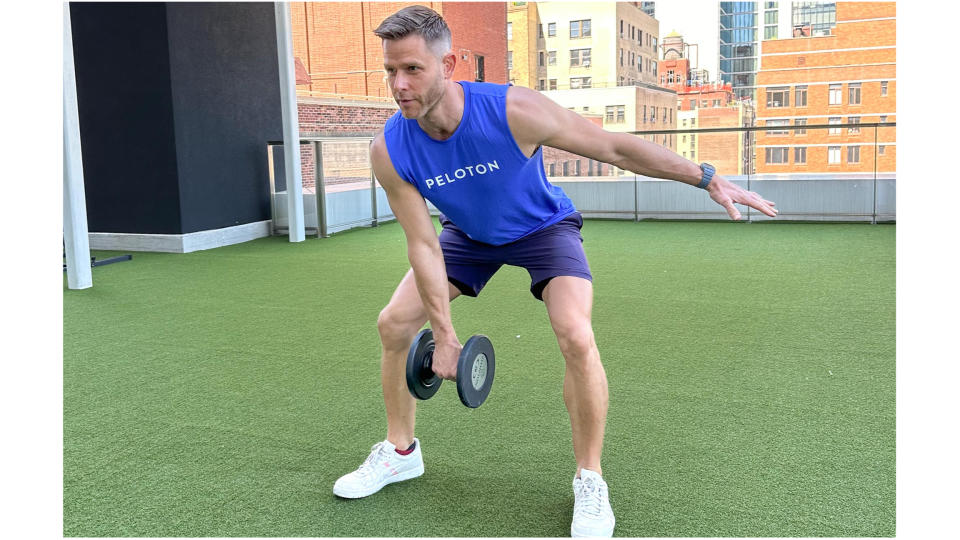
(400, 81)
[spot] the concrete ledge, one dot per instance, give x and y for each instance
(180, 243)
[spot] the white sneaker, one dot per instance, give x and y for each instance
(383, 466)
(592, 515)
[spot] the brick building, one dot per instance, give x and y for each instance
(845, 76)
(343, 57)
(701, 106)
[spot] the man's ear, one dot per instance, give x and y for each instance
(448, 63)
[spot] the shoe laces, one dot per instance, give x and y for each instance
(592, 495)
(368, 466)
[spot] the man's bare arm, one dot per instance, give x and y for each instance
(534, 120)
(423, 252)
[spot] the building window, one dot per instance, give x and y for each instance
(777, 155)
(580, 82)
(883, 119)
(853, 154)
(542, 84)
(833, 120)
(640, 36)
(540, 30)
(853, 129)
(800, 97)
(578, 167)
(778, 123)
(551, 29)
(778, 97)
(853, 93)
(553, 169)
(800, 155)
(509, 31)
(551, 58)
(693, 155)
(480, 76)
(693, 104)
(881, 149)
(654, 65)
(566, 168)
(800, 122)
(621, 27)
(540, 58)
(833, 154)
(616, 114)
(693, 138)
(579, 57)
(770, 32)
(716, 103)
(509, 59)
(621, 57)
(683, 140)
(836, 94)
(553, 84)
(883, 88)
(653, 114)
(580, 29)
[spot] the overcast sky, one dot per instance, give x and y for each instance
(697, 21)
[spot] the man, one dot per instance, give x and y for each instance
(474, 150)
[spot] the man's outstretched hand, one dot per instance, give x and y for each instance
(725, 193)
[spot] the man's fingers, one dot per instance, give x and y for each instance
(755, 201)
(732, 210)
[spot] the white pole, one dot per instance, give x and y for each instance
(291, 123)
(75, 237)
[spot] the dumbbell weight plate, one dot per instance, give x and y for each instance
(475, 370)
(422, 382)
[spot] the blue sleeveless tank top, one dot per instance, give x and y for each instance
(478, 177)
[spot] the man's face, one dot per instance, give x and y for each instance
(415, 75)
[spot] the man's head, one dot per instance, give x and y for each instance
(417, 58)
(420, 21)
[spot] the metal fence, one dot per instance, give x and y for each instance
(341, 192)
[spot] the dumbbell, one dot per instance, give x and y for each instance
(474, 369)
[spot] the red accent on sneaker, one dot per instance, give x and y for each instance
(408, 450)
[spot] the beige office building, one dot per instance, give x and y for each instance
(571, 45)
(640, 107)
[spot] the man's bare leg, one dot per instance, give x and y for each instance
(569, 302)
(398, 324)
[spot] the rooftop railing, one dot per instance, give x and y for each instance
(341, 192)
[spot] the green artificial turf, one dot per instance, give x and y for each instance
(751, 370)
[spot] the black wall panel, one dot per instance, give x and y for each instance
(177, 101)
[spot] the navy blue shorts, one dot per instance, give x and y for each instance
(554, 251)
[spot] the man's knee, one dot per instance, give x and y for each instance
(396, 328)
(576, 342)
